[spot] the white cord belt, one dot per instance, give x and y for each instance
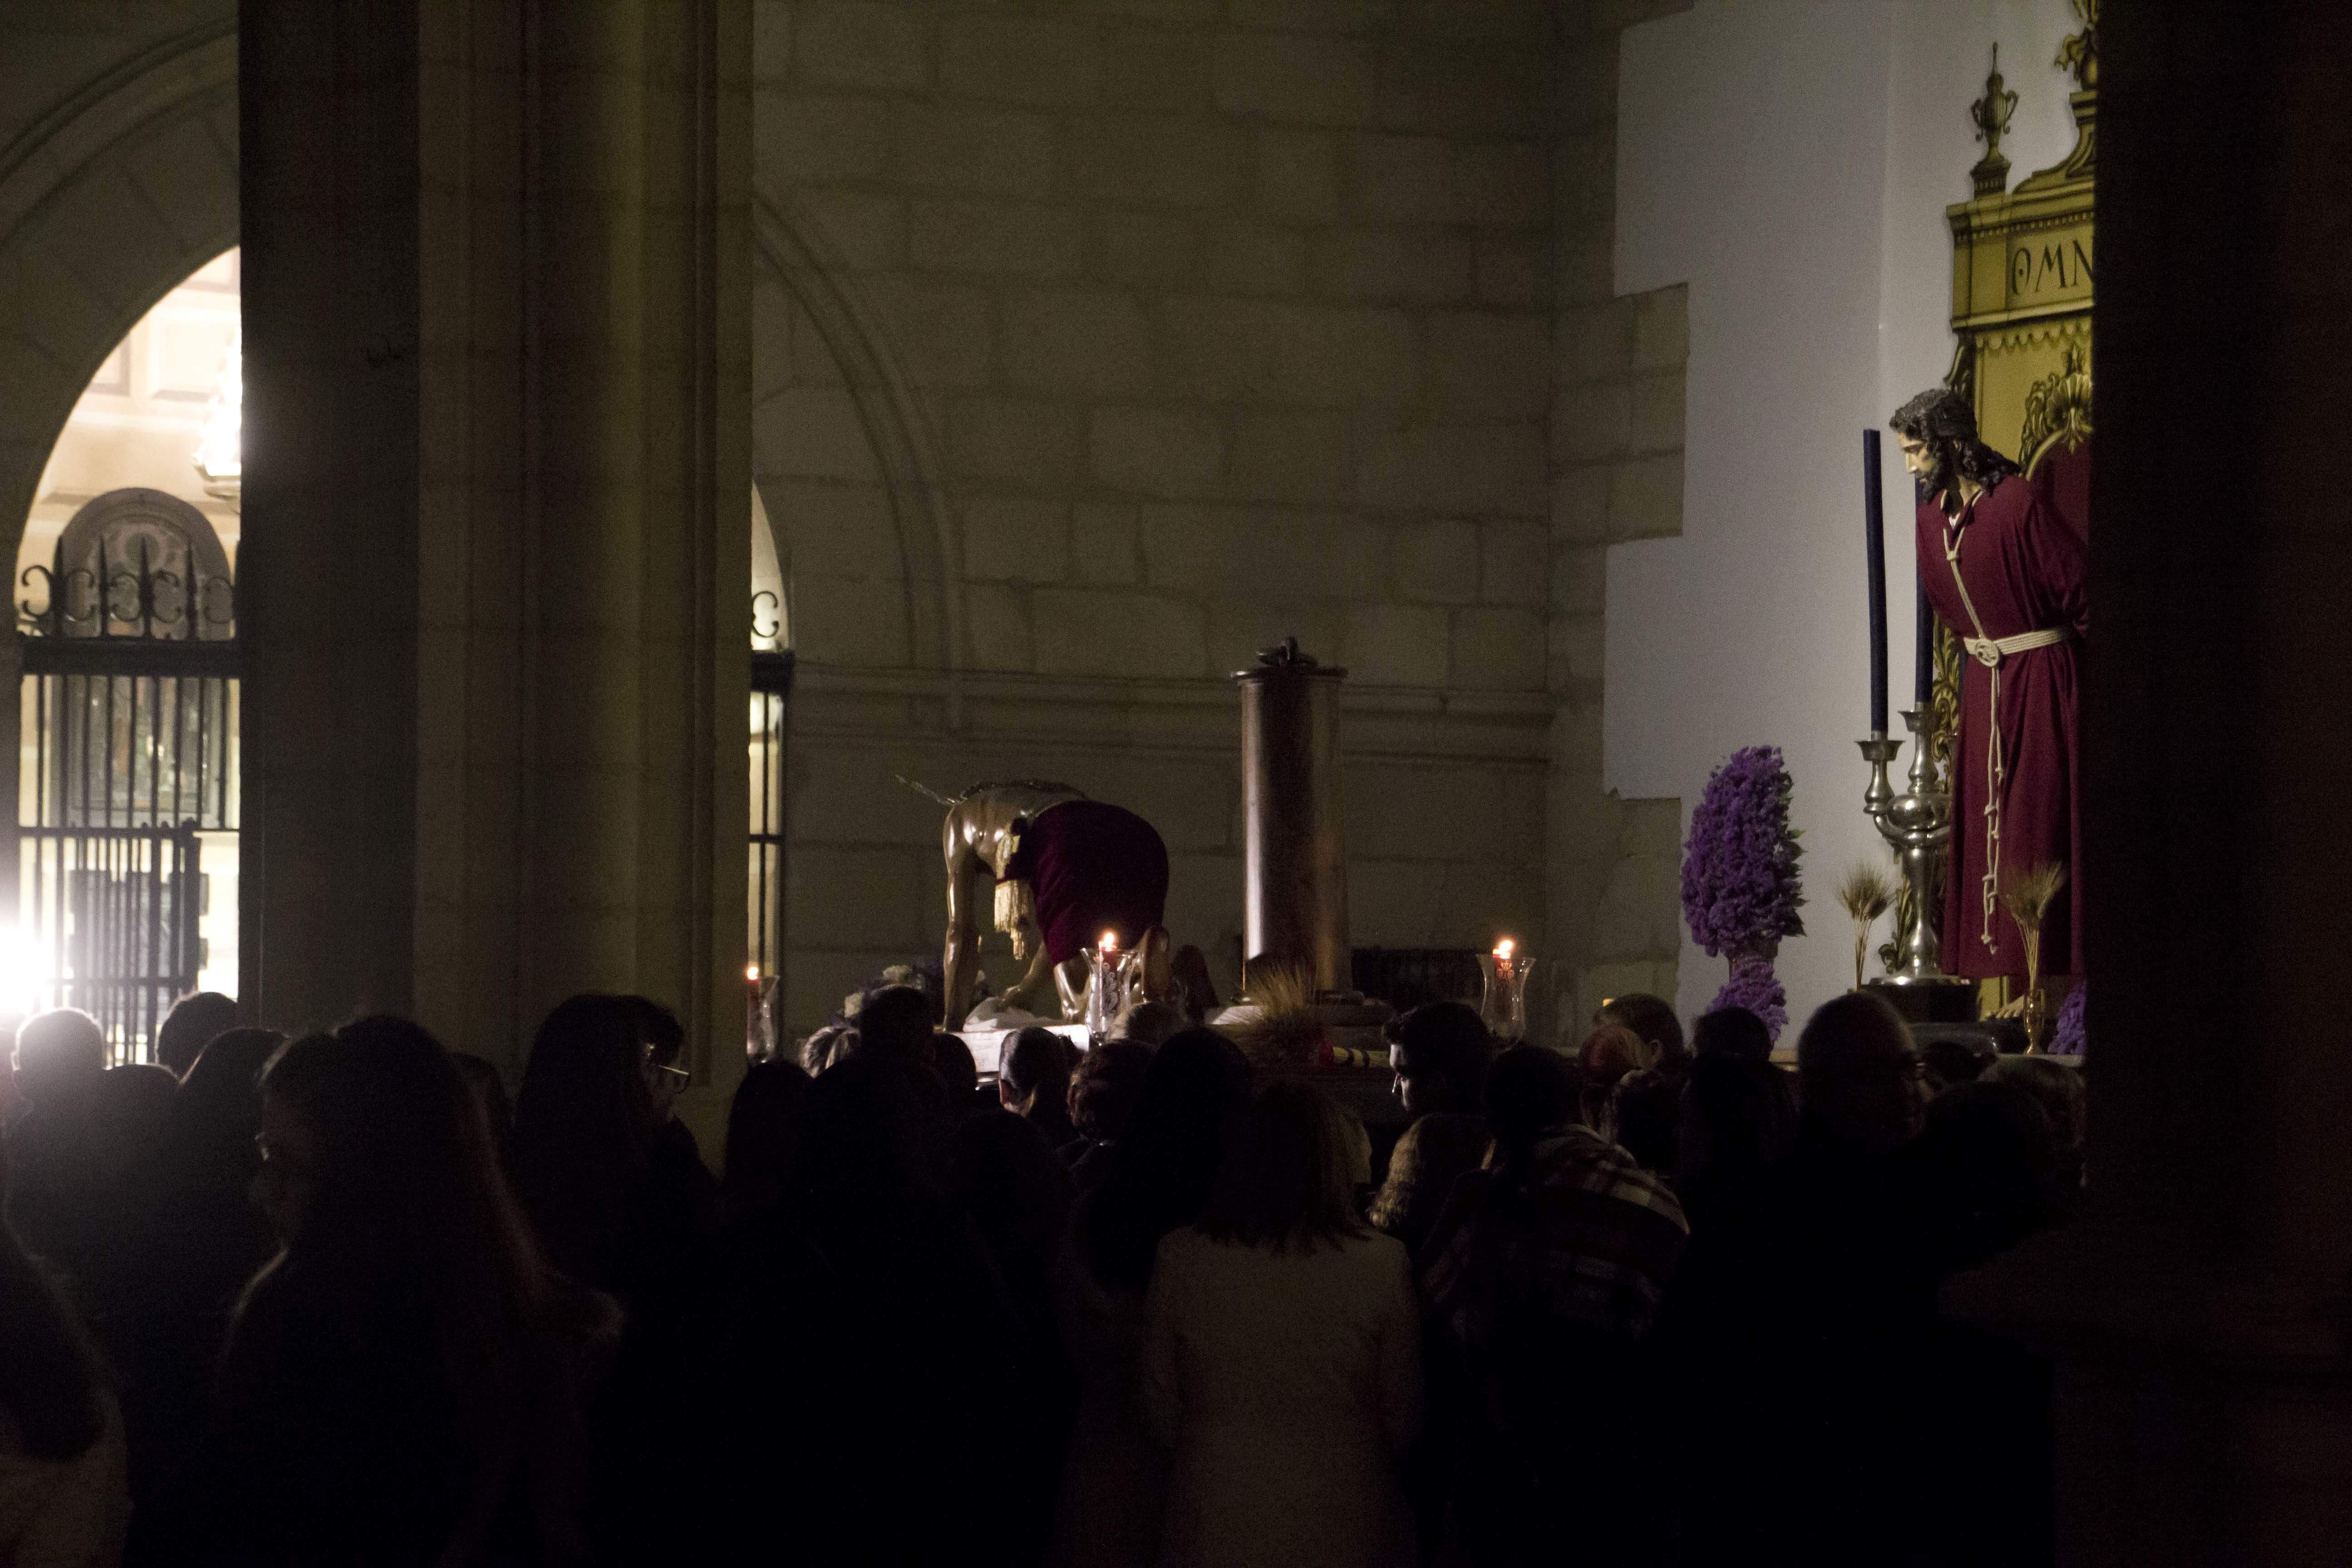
(1990, 651)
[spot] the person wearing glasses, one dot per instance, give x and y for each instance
(609, 1174)
(623, 1204)
(663, 1041)
(402, 1381)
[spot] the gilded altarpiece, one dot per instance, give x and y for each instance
(2023, 273)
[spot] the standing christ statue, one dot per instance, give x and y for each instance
(2006, 575)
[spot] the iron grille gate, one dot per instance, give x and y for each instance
(128, 707)
(128, 768)
(115, 911)
(771, 689)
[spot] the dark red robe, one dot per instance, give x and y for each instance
(1092, 866)
(2025, 571)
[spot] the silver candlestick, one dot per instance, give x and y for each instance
(1918, 825)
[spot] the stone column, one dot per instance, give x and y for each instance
(494, 576)
(2203, 1398)
(1294, 861)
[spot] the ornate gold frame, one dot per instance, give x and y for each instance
(2024, 268)
(2057, 409)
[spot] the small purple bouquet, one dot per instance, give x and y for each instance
(2070, 1038)
(1754, 986)
(1740, 888)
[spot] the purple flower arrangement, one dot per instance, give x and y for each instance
(1754, 986)
(1740, 888)
(2066, 1039)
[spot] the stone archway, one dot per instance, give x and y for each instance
(106, 205)
(162, 128)
(904, 457)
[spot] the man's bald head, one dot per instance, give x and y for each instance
(58, 1052)
(1858, 1075)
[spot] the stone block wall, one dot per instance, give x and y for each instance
(1098, 342)
(1612, 865)
(1225, 317)
(1142, 334)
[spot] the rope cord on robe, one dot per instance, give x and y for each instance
(1989, 652)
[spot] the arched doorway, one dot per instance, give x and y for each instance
(768, 842)
(126, 766)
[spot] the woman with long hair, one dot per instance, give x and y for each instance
(400, 1381)
(1159, 1176)
(211, 1244)
(886, 1345)
(610, 1179)
(1193, 1096)
(212, 1162)
(623, 1204)
(1282, 1354)
(763, 1139)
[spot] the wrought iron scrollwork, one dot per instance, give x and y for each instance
(206, 589)
(149, 605)
(772, 628)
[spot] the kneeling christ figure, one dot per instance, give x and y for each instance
(1066, 869)
(2007, 574)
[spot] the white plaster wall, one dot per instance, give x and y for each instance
(1790, 162)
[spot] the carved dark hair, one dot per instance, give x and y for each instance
(1940, 415)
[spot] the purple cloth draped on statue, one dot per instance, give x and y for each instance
(2024, 570)
(1092, 867)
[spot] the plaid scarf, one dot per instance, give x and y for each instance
(1584, 1240)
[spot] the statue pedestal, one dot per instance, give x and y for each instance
(987, 1046)
(1936, 999)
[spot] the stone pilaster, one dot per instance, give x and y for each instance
(1611, 865)
(497, 368)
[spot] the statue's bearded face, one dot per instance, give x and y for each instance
(1931, 462)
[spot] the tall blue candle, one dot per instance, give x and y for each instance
(1924, 679)
(1873, 535)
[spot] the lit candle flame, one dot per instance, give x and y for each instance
(1110, 942)
(751, 973)
(1503, 949)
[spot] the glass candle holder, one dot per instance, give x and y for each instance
(1504, 1007)
(759, 1014)
(1102, 989)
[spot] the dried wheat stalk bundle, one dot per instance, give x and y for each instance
(1285, 1039)
(1867, 893)
(2028, 897)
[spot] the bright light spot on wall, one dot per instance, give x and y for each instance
(220, 455)
(23, 972)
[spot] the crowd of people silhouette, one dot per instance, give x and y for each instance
(336, 1299)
